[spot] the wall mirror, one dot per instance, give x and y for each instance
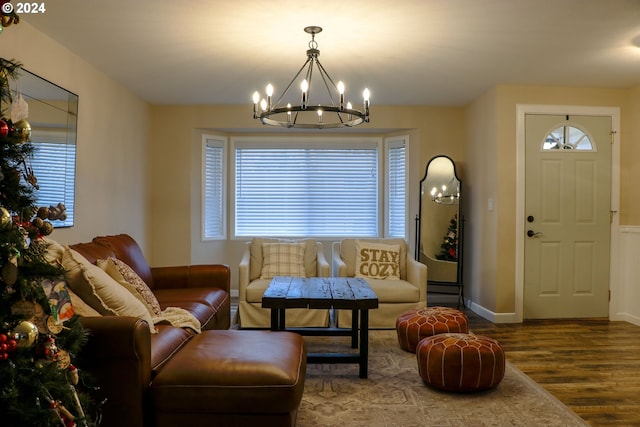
(53, 116)
(439, 228)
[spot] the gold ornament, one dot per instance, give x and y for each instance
(5, 217)
(46, 229)
(25, 333)
(21, 129)
(43, 212)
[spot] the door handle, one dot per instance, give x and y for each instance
(532, 233)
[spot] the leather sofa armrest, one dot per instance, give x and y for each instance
(193, 276)
(339, 267)
(118, 356)
(244, 272)
(417, 276)
(323, 267)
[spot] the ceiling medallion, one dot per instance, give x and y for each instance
(309, 114)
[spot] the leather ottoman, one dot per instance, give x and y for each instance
(460, 362)
(419, 323)
(232, 378)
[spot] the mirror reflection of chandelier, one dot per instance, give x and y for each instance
(447, 194)
(334, 113)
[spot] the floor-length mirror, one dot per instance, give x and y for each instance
(439, 228)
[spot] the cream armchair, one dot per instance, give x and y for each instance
(395, 296)
(255, 275)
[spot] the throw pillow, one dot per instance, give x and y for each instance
(99, 290)
(377, 260)
(282, 259)
(127, 277)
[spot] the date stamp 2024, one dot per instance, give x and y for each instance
(24, 8)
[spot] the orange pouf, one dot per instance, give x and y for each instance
(460, 362)
(419, 323)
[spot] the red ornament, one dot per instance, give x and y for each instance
(4, 129)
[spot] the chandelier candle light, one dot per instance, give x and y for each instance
(296, 116)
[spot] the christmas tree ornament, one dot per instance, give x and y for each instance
(25, 333)
(64, 361)
(4, 129)
(46, 229)
(53, 326)
(19, 108)
(22, 130)
(5, 217)
(43, 212)
(10, 271)
(25, 309)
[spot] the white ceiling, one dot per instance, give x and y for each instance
(424, 52)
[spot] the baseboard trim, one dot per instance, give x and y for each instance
(626, 317)
(491, 315)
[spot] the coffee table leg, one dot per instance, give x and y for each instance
(354, 329)
(364, 343)
(277, 319)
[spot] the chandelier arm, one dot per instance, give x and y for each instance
(292, 81)
(325, 76)
(309, 76)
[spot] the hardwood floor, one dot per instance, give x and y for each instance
(591, 365)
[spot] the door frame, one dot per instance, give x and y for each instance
(615, 284)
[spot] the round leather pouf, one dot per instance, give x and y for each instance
(419, 323)
(460, 362)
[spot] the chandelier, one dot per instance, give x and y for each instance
(335, 113)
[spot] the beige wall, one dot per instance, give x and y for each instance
(111, 164)
(176, 165)
(492, 275)
(480, 189)
(630, 159)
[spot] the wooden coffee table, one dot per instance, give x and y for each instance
(345, 293)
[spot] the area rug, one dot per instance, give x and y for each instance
(394, 394)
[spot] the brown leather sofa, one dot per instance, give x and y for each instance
(218, 377)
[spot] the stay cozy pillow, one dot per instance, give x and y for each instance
(282, 259)
(377, 260)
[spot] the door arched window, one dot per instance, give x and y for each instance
(568, 137)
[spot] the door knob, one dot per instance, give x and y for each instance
(532, 233)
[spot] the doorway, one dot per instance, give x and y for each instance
(565, 285)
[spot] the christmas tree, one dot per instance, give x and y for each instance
(449, 246)
(39, 335)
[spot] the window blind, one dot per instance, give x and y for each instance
(396, 189)
(54, 165)
(213, 185)
(306, 191)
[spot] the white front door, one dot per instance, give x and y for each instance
(567, 216)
